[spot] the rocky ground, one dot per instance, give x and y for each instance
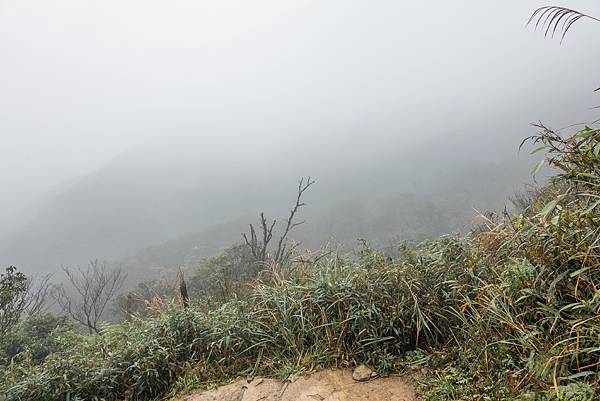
(330, 385)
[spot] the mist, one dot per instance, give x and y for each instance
(130, 125)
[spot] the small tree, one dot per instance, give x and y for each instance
(93, 288)
(225, 275)
(20, 295)
(280, 256)
(13, 287)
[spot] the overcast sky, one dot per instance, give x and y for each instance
(84, 81)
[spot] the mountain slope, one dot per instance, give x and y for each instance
(157, 195)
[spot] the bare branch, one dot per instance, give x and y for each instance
(282, 254)
(38, 293)
(94, 287)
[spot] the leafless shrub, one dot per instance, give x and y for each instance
(93, 288)
(38, 290)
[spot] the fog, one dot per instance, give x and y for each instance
(133, 124)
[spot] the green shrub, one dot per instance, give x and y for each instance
(34, 338)
(226, 275)
(14, 287)
(337, 313)
(533, 323)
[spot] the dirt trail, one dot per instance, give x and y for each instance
(329, 385)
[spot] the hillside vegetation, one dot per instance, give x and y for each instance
(509, 312)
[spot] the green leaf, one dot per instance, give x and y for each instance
(580, 375)
(585, 133)
(539, 149)
(579, 271)
(549, 207)
(538, 167)
(589, 209)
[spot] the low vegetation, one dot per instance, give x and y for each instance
(509, 312)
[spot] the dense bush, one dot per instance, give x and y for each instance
(533, 324)
(337, 313)
(33, 338)
(226, 275)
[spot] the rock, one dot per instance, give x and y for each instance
(363, 373)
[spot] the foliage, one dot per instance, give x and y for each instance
(533, 323)
(33, 338)
(552, 20)
(224, 276)
(146, 300)
(13, 289)
(335, 313)
(20, 295)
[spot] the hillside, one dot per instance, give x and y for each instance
(507, 312)
(147, 209)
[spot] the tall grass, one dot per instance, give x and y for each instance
(337, 313)
(533, 324)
